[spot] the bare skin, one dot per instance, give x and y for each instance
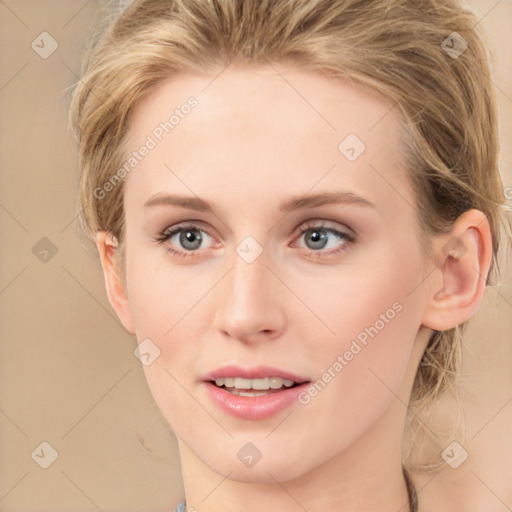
(251, 144)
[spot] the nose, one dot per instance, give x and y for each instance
(250, 303)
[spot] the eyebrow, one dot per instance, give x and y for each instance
(295, 203)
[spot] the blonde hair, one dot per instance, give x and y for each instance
(396, 49)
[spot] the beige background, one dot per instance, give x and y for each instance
(68, 375)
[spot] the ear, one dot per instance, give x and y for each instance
(107, 245)
(463, 259)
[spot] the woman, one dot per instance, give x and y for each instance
(296, 207)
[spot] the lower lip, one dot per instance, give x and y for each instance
(254, 407)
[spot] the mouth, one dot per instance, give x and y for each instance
(253, 393)
(253, 387)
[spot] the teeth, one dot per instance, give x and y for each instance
(243, 383)
(258, 384)
(275, 382)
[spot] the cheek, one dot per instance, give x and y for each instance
(374, 320)
(360, 370)
(159, 295)
(354, 298)
(167, 306)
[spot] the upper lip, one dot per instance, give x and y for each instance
(258, 372)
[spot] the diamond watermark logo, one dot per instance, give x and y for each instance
(249, 249)
(45, 455)
(454, 455)
(44, 45)
(146, 352)
(455, 248)
(352, 147)
(454, 45)
(249, 455)
(44, 250)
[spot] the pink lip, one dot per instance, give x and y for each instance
(257, 407)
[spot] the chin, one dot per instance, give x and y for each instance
(279, 467)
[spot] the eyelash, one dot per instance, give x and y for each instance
(348, 239)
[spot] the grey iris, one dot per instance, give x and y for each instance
(318, 238)
(191, 239)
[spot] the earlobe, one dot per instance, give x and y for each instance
(463, 259)
(107, 245)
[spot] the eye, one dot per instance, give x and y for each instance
(184, 240)
(317, 237)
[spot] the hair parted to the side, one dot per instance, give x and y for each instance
(392, 48)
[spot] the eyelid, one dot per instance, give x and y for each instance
(192, 223)
(325, 224)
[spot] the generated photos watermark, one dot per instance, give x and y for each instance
(152, 140)
(342, 360)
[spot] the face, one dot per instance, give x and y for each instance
(266, 247)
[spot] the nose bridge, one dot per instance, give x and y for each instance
(249, 278)
(249, 306)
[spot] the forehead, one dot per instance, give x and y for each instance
(262, 130)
